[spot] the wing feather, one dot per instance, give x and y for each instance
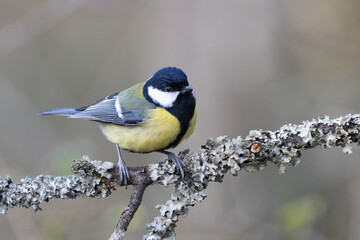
(131, 104)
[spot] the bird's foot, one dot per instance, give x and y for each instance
(177, 161)
(123, 173)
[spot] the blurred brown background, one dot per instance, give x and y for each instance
(254, 65)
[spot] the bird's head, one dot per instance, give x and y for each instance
(167, 86)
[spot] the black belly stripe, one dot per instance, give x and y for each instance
(183, 109)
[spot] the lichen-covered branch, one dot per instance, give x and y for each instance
(252, 153)
(31, 192)
(208, 164)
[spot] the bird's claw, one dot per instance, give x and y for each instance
(178, 163)
(124, 174)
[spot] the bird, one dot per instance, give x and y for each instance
(151, 116)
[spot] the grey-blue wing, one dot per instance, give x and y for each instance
(109, 110)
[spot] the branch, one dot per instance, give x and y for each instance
(208, 164)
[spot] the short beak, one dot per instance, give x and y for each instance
(187, 89)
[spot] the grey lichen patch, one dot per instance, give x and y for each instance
(31, 192)
(159, 229)
(100, 167)
(163, 173)
(347, 149)
(283, 147)
(117, 235)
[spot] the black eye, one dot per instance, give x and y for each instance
(168, 89)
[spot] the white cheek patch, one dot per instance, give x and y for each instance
(164, 99)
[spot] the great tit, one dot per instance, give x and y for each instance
(151, 116)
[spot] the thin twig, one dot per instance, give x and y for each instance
(131, 208)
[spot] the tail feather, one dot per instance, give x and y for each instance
(60, 111)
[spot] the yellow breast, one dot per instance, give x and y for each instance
(156, 133)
